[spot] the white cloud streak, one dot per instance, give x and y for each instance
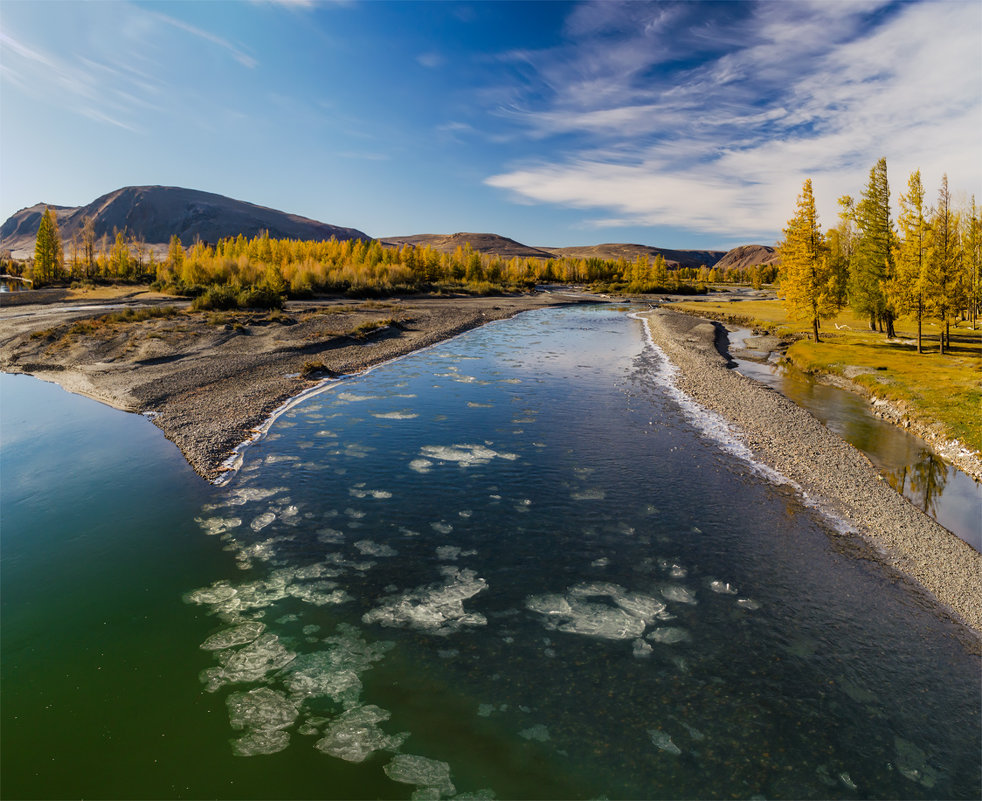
(722, 144)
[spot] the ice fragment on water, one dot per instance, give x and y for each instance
(679, 594)
(641, 649)
(251, 663)
(447, 553)
(261, 708)
(395, 415)
(436, 608)
(664, 741)
(694, 733)
(668, 635)
(237, 635)
(722, 587)
(218, 525)
(261, 741)
(370, 548)
(539, 733)
(589, 495)
(601, 562)
(423, 772)
(262, 521)
(464, 455)
(441, 527)
(748, 603)
(485, 710)
(354, 735)
(421, 465)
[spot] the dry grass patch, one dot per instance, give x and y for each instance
(934, 388)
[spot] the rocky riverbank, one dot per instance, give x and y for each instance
(828, 469)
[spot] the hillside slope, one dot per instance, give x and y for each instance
(155, 213)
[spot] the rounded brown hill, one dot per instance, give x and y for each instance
(622, 250)
(492, 244)
(748, 256)
(154, 213)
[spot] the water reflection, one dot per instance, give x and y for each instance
(909, 465)
(922, 482)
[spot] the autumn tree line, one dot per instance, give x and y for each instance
(924, 267)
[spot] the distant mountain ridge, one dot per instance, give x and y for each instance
(155, 213)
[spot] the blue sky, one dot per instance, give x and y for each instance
(689, 125)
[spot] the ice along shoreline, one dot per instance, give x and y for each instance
(792, 442)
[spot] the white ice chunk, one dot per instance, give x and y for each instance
(664, 741)
(262, 521)
(679, 594)
(668, 635)
(464, 455)
(434, 609)
(641, 649)
(261, 708)
(748, 603)
(441, 527)
(370, 548)
(539, 733)
(722, 587)
(252, 663)
(447, 553)
(588, 495)
(421, 465)
(218, 525)
(354, 735)
(395, 415)
(237, 635)
(423, 772)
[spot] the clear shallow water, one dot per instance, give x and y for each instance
(907, 462)
(508, 563)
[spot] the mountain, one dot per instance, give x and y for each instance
(155, 213)
(748, 256)
(615, 250)
(492, 244)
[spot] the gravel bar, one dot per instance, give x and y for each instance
(841, 478)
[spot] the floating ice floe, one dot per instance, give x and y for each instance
(351, 397)
(218, 525)
(246, 495)
(539, 733)
(641, 649)
(464, 455)
(263, 520)
(370, 548)
(679, 594)
(237, 635)
(421, 465)
(748, 603)
(354, 735)
(441, 527)
(280, 457)
(448, 553)
(434, 609)
(424, 773)
(626, 619)
(588, 495)
(357, 492)
(263, 713)
(668, 635)
(251, 663)
(395, 415)
(664, 742)
(722, 587)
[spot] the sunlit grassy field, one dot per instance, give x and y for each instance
(945, 389)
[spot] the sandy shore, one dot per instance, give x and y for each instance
(208, 380)
(787, 438)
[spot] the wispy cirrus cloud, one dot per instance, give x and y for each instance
(236, 52)
(670, 117)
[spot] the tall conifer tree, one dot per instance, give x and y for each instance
(906, 292)
(943, 263)
(872, 266)
(47, 249)
(808, 281)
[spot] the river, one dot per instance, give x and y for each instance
(508, 564)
